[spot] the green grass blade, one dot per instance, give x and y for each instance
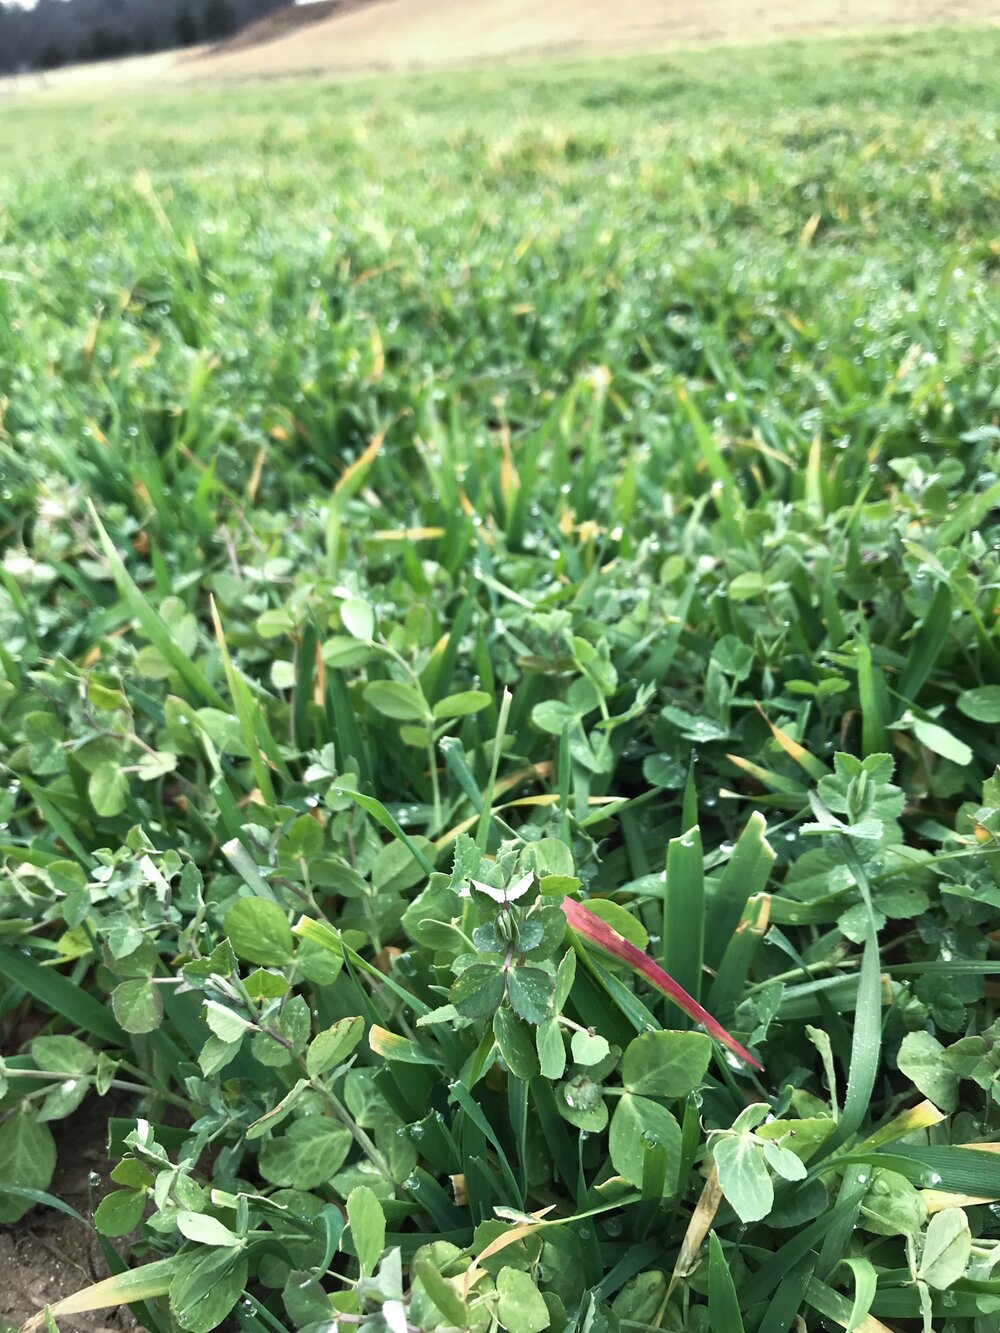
(734, 967)
(382, 816)
(928, 640)
(874, 700)
(865, 1285)
(684, 911)
(788, 1299)
(833, 1306)
(723, 1303)
(151, 623)
(725, 491)
(745, 875)
(58, 994)
(257, 736)
(486, 816)
(866, 1041)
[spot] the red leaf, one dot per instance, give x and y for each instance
(592, 928)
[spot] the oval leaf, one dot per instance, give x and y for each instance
(259, 932)
(393, 699)
(666, 1064)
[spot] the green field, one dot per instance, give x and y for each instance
(546, 478)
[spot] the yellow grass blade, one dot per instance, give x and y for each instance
(141, 1284)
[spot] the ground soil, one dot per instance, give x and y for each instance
(47, 1255)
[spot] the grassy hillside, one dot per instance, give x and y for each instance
(544, 479)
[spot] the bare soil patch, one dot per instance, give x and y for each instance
(48, 1255)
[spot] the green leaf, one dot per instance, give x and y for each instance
(62, 1055)
(226, 1025)
(393, 699)
(892, 1206)
(530, 990)
(367, 1223)
(138, 1005)
(589, 1048)
(442, 1293)
(462, 705)
(782, 1161)
(107, 788)
(156, 765)
(942, 742)
(27, 1160)
(947, 1247)
(130, 1171)
(270, 1120)
(521, 1308)
(205, 1287)
(743, 1176)
(552, 716)
(333, 1046)
(64, 1098)
(551, 1049)
(216, 1054)
(922, 1059)
(358, 617)
(477, 992)
(516, 1044)
(305, 1300)
(641, 1299)
(259, 932)
(307, 1155)
(666, 1064)
(119, 1212)
(636, 1125)
(204, 1229)
(982, 705)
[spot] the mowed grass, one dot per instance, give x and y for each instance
(661, 394)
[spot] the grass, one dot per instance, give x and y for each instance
(578, 480)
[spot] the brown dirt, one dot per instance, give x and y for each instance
(47, 1255)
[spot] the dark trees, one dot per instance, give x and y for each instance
(57, 32)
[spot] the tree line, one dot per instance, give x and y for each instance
(64, 32)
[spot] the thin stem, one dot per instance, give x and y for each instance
(119, 1083)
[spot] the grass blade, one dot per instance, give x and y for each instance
(684, 911)
(723, 1302)
(151, 623)
(598, 932)
(58, 994)
(745, 875)
(139, 1284)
